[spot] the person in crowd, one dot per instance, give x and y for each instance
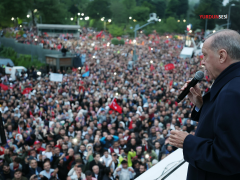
(124, 172)
(18, 175)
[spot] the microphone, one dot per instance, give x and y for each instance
(198, 77)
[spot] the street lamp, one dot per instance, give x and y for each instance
(28, 16)
(159, 20)
(130, 17)
(71, 19)
(109, 20)
(184, 20)
(229, 11)
(78, 14)
(12, 18)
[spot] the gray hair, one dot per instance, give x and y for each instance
(226, 39)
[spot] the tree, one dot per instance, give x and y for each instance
(115, 30)
(13, 8)
(141, 13)
(97, 9)
(119, 12)
(52, 12)
(160, 7)
(172, 8)
(182, 8)
(172, 24)
(129, 5)
(151, 7)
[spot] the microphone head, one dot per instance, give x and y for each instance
(199, 75)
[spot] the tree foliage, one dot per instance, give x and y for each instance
(141, 13)
(97, 9)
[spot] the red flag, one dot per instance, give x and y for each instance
(86, 70)
(99, 34)
(169, 66)
(152, 67)
(19, 130)
(26, 90)
(3, 87)
(115, 106)
(81, 88)
(74, 69)
(171, 82)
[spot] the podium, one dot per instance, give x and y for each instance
(171, 167)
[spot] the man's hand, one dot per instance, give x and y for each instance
(177, 138)
(131, 170)
(119, 169)
(194, 94)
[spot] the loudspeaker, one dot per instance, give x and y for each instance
(3, 139)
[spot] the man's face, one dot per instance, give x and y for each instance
(125, 165)
(97, 157)
(47, 166)
(82, 148)
(6, 168)
(33, 164)
(106, 154)
(57, 151)
(142, 169)
(17, 175)
(210, 60)
(95, 169)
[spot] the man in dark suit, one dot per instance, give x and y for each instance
(213, 153)
(33, 169)
(96, 172)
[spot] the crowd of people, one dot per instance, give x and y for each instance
(66, 130)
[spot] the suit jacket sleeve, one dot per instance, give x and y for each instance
(220, 154)
(195, 115)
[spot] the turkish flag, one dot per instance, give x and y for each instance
(26, 90)
(152, 67)
(115, 106)
(19, 130)
(3, 87)
(100, 34)
(169, 66)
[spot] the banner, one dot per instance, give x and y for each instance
(115, 106)
(27, 90)
(56, 77)
(169, 66)
(4, 87)
(86, 74)
(8, 70)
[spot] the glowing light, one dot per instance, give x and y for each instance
(147, 156)
(12, 18)
(130, 17)
(109, 20)
(94, 57)
(214, 31)
(159, 20)
(184, 20)
(71, 19)
(115, 73)
(178, 21)
(151, 61)
(166, 36)
(82, 14)
(28, 16)
(78, 14)
(35, 10)
(36, 39)
(134, 41)
(75, 140)
(79, 68)
(190, 31)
